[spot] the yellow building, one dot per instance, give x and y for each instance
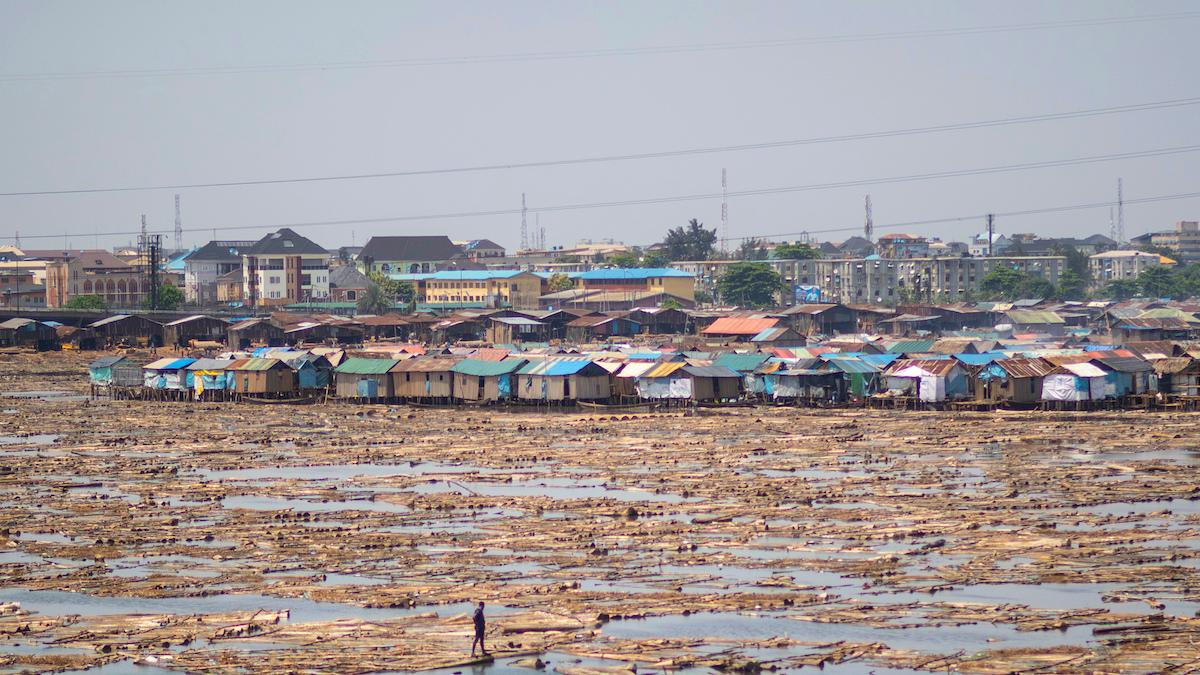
(490, 289)
(654, 279)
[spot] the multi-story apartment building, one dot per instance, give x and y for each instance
(1184, 240)
(283, 268)
(19, 290)
(202, 268)
(885, 281)
(1115, 265)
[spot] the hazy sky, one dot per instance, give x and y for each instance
(259, 122)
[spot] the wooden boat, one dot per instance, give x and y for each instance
(619, 407)
(303, 400)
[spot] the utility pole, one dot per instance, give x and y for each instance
(178, 226)
(724, 213)
(869, 227)
(991, 230)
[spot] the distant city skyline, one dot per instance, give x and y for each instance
(139, 94)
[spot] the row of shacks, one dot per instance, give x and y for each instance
(909, 374)
(279, 375)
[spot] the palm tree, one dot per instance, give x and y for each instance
(374, 301)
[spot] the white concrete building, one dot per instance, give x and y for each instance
(1114, 265)
(202, 267)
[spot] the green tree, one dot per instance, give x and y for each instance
(670, 303)
(751, 249)
(1035, 286)
(625, 260)
(795, 252)
(694, 242)
(1001, 283)
(703, 297)
(654, 259)
(169, 297)
(1121, 289)
(559, 282)
(1077, 261)
(399, 292)
(1159, 282)
(749, 284)
(87, 302)
(1071, 286)
(375, 301)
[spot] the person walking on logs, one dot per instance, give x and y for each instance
(480, 629)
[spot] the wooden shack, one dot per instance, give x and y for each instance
(424, 379)
(1015, 380)
(197, 328)
(167, 378)
(210, 379)
(364, 379)
(600, 327)
(127, 329)
(485, 381)
(250, 332)
(28, 333)
(677, 381)
(1178, 375)
(262, 378)
(563, 381)
(514, 329)
(117, 376)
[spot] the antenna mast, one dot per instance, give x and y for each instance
(149, 252)
(524, 225)
(724, 213)
(178, 225)
(869, 226)
(1120, 236)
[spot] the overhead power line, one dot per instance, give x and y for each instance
(598, 53)
(911, 131)
(709, 196)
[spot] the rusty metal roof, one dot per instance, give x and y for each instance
(740, 325)
(935, 367)
(1022, 367)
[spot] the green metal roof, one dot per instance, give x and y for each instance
(487, 368)
(911, 347)
(1033, 316)
(740, 362)
(359, 366)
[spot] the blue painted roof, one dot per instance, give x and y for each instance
(633, 273)
(879, 360)
(473, 275)
(978, 359)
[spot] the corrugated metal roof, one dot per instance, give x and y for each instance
(740, 362)
(210, 364)
(1033, 316)
(361, 366)
(1124, 364)
(106, 361)
(490, 354)
(426, 364)
(710, 371)
(555, 367)
(880, 361)
(740, 325)
(255, 364)
(1022, 367)
(852, 366)
(636, 368)
(170, 363)
(935, 367)
(1173, 364)
(189, 319)
(1084, 369)
(517, 321)
(978, 359)
(665, 369)
(911, 347)
(487, 368)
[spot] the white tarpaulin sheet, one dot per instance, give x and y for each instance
(1062, 387)
(665, 387)
(932, 389)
